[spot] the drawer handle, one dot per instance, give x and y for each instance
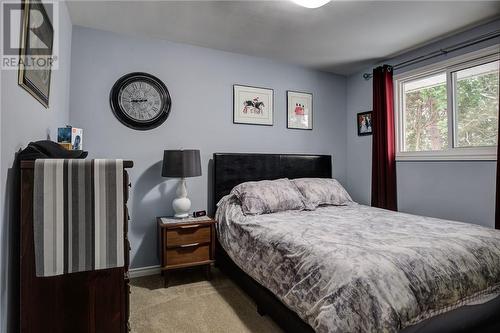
(189, 245)
(189, 226)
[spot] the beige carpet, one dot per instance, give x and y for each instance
(191, 304)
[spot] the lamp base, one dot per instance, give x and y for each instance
(181, 204)
(181, 216)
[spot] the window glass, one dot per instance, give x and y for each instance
(425, 114)
(476, 105)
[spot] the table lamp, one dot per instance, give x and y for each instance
(181, 164)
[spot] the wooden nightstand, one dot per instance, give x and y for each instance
(185, 243)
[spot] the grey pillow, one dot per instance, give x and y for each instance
(268, 196)
(322, 191)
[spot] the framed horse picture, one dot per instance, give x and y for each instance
(253, 105)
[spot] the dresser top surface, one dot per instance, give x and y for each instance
(31, 164)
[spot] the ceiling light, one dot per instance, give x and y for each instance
(311, 3)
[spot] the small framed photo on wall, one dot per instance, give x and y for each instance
(299, 110)
(364, 121)
(253, 105)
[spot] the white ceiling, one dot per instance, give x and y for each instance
(341, 37)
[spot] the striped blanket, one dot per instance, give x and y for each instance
(78, 214)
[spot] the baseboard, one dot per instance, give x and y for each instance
(144, 271)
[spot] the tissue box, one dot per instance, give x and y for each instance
(71, 135)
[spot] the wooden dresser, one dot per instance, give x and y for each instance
(87, 302)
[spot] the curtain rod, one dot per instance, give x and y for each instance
(434, 54)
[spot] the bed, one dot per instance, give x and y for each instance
(403, 272)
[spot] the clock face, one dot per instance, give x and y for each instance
(140, 101)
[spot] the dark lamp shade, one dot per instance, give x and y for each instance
(181, 163)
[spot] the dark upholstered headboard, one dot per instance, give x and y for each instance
(231, 169)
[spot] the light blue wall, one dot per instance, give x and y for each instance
(463, 191)
(200, 81)
(24, 119)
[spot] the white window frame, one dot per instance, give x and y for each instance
(449, 66)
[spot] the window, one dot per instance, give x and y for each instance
(476, 105)
(449, 110)
(425, 114)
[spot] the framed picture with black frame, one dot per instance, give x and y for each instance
(35, 65)
(299, 107)
(253, 105)
(364, 123)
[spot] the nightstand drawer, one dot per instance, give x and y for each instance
(190, 253)
(187, 235)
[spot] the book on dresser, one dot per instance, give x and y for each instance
(86, 301)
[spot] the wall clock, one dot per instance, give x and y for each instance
(140, 101)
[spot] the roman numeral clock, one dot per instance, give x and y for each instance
(140, 101)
